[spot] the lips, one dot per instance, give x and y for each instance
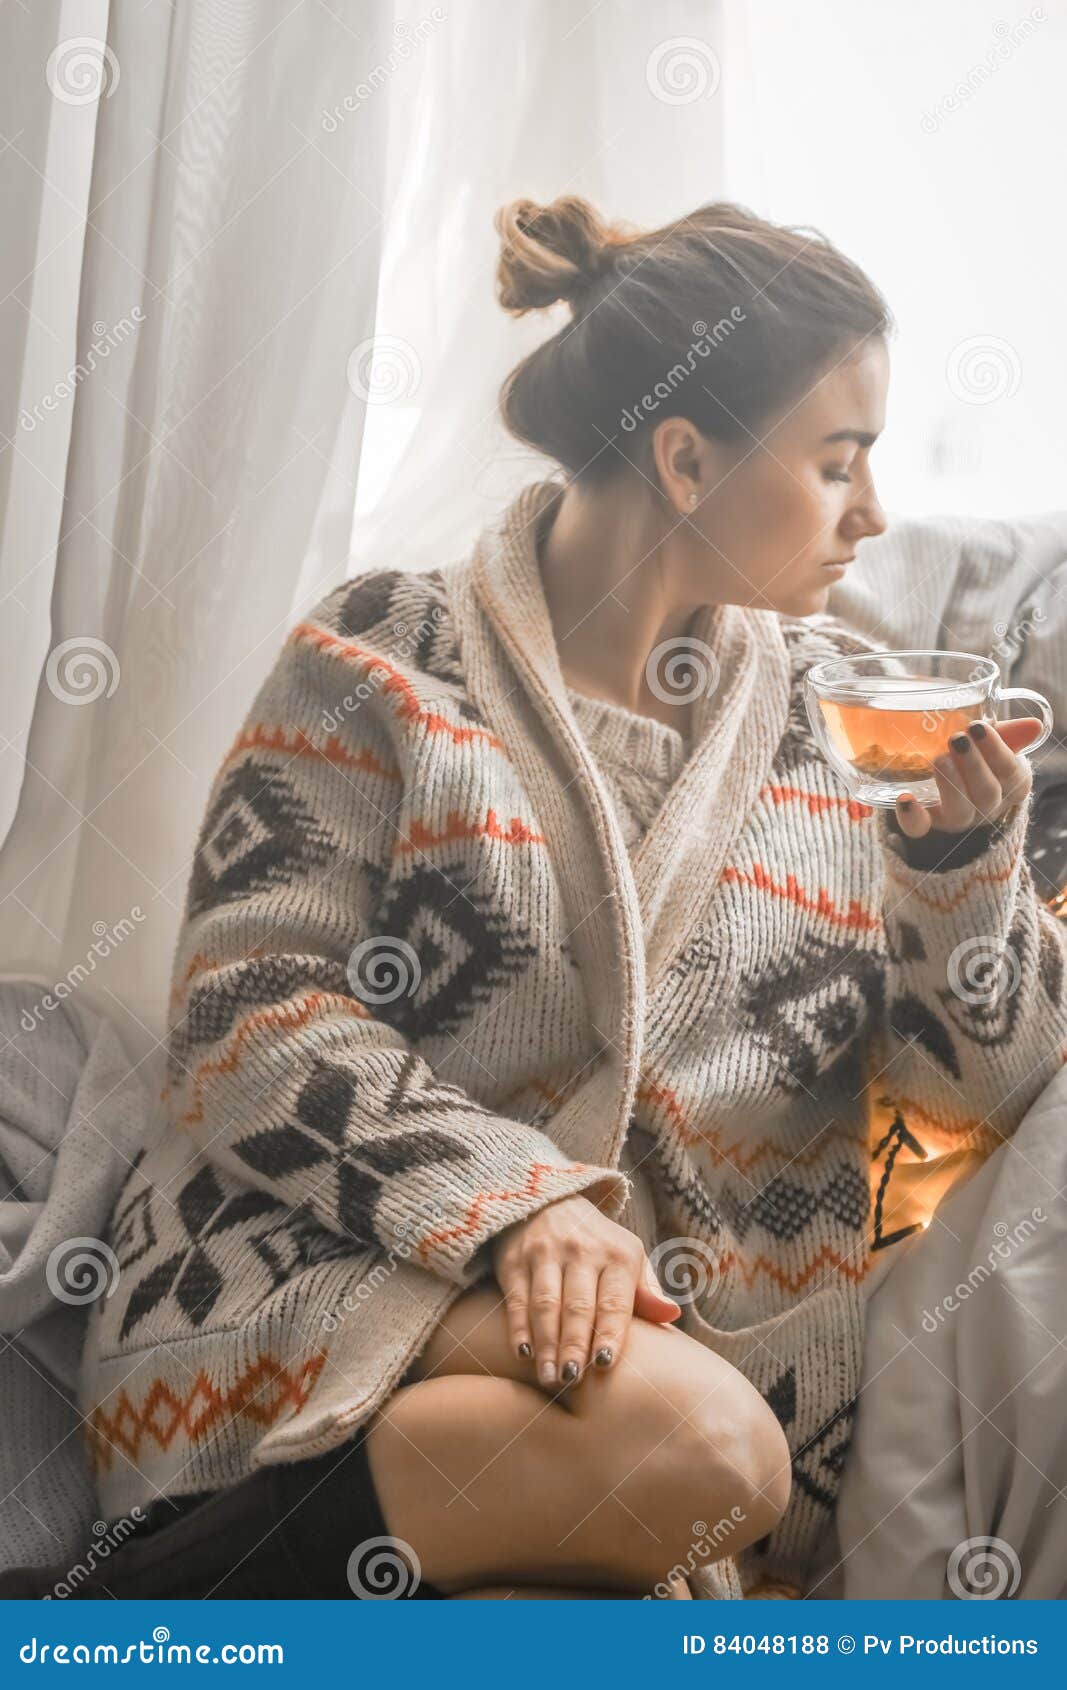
(838, 562)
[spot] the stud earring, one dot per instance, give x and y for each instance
(692, 500)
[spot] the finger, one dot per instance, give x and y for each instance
(651, 1302)
(975, 775)
(614, 1312)
(998, 746)
(516, 1288)
(1017, 732)
(579, 1313)
(913, 818)
(953, 811)
(546, 1290)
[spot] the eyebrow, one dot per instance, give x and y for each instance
(859, 435)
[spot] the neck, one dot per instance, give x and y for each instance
(610, 570)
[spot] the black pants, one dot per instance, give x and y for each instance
(306, 1529)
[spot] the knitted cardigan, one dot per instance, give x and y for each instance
(421, 990)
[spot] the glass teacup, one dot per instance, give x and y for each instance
(882, 717)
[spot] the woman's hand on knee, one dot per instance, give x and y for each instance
(572, 1281)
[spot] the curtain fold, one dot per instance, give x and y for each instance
(228, 264)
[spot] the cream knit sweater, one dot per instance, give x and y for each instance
(422, 989)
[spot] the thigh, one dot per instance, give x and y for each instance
(489, 1476)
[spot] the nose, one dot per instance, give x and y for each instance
(866, 517)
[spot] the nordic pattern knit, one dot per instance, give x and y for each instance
(750, 1004)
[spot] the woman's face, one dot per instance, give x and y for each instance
(782, 514)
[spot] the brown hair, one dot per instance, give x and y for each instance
(721, 317)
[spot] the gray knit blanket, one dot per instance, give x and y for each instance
(72, 1115)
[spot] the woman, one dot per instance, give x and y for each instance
(533, 962)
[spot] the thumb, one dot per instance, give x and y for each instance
(650, 1301)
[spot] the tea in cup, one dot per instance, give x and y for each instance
(881, 718)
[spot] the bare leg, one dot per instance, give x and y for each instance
(491, 1480)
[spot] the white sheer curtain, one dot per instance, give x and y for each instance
(926, 141)
(245, 244)
(621, 102)
(193, 260)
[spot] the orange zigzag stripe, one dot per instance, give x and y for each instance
(127, 1426)
(202, 964)
(735, 1156)
(945, 906)
(855, 916)
(396, 685)
(826, 1258)
(473, 1216)
(817, 803)
(421, 838)
(288, 1019)
(297, 744)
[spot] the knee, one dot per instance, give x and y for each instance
(737, 1447)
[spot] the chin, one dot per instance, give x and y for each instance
(803, 601)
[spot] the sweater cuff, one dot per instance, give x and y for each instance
(940, 853)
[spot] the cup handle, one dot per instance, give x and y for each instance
(1044, 710)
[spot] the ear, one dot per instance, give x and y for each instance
(678, 451)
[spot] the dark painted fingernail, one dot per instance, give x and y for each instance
(603, 1357)
(977, 730)
(960, 742)
(905, 803)
(569, 1372)
(525, 1350)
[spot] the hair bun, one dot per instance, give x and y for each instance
(550, 252)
